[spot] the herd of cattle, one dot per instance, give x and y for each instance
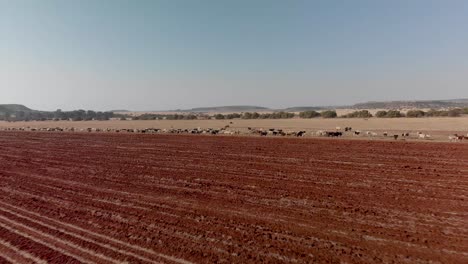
(338, 132)
(129, 130)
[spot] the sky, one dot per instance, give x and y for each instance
(175, 54)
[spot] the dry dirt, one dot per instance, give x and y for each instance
(108, 198)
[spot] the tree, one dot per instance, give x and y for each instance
(415, 113)
(58, 114)
(394, 113)
(247, 115)
(309, 114)
(90, 115)
(232, 116)
(381, 113)
(328, 114)
(219, 116)
(358, 114)
(285, 115)
(454, 112)
(190, 117)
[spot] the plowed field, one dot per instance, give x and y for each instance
(111, 198)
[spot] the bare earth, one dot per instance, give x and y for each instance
(137, 198)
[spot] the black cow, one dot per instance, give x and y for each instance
(300, 133)
(333, 134)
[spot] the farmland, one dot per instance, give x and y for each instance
(431, 124)
(439, 128)
(110, 198)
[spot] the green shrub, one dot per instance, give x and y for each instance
(415, 113)
(436, 113)
(381, 114)
(232, 116)
(219, 116)
(358, 114)
(309, 114)
(394, 114)
(281, 115)
(454, 112)
(328, 114)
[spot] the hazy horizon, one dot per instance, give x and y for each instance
(233, 105)
(166, 55)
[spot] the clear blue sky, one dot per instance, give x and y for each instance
(167, 54)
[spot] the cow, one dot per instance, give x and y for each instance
(459, 137)
(320, 133)
(300, 133)
(395, 137)
(333, 134)
(424, 136)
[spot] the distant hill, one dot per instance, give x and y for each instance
(301, 108)
(459, 101)
(436, 104)
(11, 108)
(231, 108)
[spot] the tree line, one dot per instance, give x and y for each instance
(277, 115)
(76, 115)
(167, 117)
(456, 112)
(255, 115)
(85, 115)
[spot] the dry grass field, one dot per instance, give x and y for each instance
(439, 127)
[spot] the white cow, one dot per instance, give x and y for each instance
(320, 133)
(371, 134)
(424, 136)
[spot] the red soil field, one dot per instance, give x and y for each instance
(111, 198)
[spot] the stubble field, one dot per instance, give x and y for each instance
(444, 124)
(109, 198)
